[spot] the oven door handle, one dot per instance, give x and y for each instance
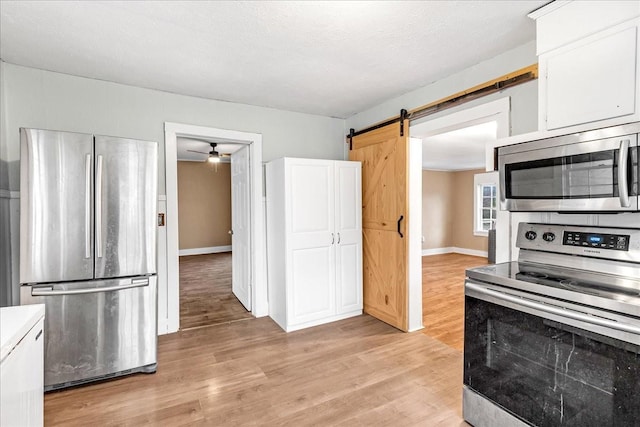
(545, 308)
(623, 184)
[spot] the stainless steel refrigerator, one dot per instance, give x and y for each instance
(88, 252)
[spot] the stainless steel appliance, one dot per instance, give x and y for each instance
(554, 338)
(594, 171)
(88, 252)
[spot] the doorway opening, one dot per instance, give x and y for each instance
(236, 256)
(456, 150)
(213, 242)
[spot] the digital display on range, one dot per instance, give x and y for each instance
(618, 242)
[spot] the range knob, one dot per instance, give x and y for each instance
(531, 235)
(548, 237)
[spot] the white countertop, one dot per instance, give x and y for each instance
(15, 323)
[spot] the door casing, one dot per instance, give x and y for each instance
(168, 293)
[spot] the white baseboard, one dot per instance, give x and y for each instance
(203, 251)
(436, 251)
(455, 250)
(472, 252)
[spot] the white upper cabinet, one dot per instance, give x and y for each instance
(588, 63)
(314, 240)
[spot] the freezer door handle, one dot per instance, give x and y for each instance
(49, 291)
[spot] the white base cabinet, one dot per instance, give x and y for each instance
(22, 366)
(314, 241)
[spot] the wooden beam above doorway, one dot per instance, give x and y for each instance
(498, 84)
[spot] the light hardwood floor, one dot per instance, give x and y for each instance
(443, 296)
(358, 371)
(205, 291)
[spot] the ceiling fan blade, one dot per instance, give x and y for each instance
(199, 152)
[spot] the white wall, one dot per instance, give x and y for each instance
(524, 97)
(42, 99)
(9, 201)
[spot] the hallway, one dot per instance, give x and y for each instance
(205, 291)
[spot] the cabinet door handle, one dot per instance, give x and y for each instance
(399, 221)
(333, 238)
(338, 238)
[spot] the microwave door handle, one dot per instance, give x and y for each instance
(623, 184)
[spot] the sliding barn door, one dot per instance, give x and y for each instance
(384, 156)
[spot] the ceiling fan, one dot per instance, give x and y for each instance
(214, 156)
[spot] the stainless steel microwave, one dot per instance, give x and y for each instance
(594, 171)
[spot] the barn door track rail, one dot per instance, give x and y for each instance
(515, 78)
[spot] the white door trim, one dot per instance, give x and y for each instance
(259, 285)
(498, 111)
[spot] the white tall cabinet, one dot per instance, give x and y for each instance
(314, 241)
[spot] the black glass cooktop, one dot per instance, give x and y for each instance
(568, 282)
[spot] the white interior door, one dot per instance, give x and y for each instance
(240, 232)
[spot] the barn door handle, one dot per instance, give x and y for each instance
(399, 221)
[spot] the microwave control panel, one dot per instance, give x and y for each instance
(618, 242)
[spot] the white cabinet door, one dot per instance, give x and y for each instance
(311, 240)
(22, 381)
(349, 237)
(590, 80)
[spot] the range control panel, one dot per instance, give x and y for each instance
(621, 244)
(618, 242)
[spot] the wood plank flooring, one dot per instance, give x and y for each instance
(443, 296)
(205, 291)
(355, 372)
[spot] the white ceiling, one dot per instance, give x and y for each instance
(461, 149)
(333, 58)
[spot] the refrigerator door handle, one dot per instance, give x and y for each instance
(87, 207)
(99, 208)
(49, 291)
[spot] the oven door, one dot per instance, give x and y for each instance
(599, 175)
(548, 364)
